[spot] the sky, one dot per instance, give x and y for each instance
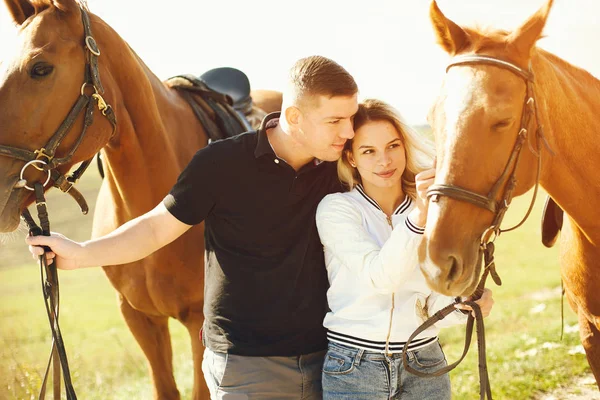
(387, 45)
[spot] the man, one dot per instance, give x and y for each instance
(265, 278)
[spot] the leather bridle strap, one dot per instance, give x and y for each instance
(486, 253)
(86, 102)
(51, 294)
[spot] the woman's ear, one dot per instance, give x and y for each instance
(348, 154)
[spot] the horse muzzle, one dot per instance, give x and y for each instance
(449, 271)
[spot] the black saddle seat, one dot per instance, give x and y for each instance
(232, 82)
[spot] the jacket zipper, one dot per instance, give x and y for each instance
(389, 334)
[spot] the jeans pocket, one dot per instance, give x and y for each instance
(220, 362)
(337, 363)
(429, 356)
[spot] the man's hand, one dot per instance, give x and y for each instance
(64, 251)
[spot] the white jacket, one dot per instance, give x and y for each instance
(378, 295)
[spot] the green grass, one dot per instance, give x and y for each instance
(106, 363)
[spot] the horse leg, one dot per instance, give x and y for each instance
(590, 338)
(193, 323)
(152, 334)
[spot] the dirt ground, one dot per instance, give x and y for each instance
(583, 388)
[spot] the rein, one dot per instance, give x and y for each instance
(499, 207)
(45, 159)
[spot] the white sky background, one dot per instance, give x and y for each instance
(388, 45)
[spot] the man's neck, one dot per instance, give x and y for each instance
(287, 148)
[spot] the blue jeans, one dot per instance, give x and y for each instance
(352, 373)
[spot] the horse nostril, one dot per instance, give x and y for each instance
(455, 270)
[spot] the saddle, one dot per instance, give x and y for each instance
(220, 99)
(232, 82)
(552, 221)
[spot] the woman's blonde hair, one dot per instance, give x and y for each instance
(419, 150)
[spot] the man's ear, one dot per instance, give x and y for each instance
(292, 115)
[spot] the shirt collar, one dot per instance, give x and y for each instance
(263, 146)
(405, 205)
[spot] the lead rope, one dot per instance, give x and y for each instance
(485, 390)
(51, 294)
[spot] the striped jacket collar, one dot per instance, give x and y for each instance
(405, 205)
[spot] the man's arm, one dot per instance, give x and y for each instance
(132, 241)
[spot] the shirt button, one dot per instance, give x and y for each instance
(276, 161)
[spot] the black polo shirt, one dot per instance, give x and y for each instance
(265, 278)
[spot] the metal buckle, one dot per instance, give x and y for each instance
(32, 162)
(489, 236)
(102, 106)
(42, 153)
(92, 46)
(86, 84)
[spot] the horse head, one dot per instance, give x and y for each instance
(481, 116)
(50, 93)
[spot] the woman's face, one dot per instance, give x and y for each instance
(378, 154)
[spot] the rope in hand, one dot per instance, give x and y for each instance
(51, 294)
(485, 390)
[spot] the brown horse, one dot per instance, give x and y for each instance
(156, 135)
(477, 119)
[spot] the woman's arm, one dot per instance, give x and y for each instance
(342, 233)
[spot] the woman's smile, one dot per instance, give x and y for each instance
(386, 174)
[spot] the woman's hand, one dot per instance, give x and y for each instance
(486, 302)
(423, 180)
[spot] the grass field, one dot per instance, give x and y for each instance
(525, 354)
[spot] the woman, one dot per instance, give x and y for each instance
(377, 294)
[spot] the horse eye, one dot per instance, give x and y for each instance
(502, 124)
(41, 70)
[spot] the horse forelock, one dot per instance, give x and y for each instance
(61, 5)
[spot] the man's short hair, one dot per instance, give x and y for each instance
(320, 76)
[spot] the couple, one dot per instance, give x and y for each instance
(282, 319)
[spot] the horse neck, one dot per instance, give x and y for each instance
(157, 132)
(568, 100)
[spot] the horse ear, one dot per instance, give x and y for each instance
(523, 38)
(20, 10)
(450, 36)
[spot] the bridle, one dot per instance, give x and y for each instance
(46, 160)
(508, 176)
(497, 202)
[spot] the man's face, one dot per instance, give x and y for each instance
(325, 124)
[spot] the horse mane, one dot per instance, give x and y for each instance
(41, 5)
(578, 74)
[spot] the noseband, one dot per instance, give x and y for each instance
(45, 159)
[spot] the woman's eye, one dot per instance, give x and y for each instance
(367, 151)
(394, 145)
(41, 70)
(334, 122)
